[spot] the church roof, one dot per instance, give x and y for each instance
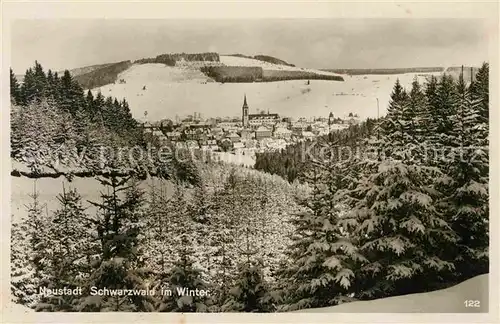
(263, 115)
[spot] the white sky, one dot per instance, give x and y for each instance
(315, 43)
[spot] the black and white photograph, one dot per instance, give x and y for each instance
(272, 165)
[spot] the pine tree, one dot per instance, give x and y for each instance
(221, 240)
(28, 88)
(15, 90)
(70, 246)
(397, 122)
(446, 99)
(161, 230)
(37, 232)
(70, 95)
(184, 274)
(50, 89)
(40, 81)
(118, 266)
(56, 84)
(466, 203)
(398, 95)
(99, 103)
(23, 282)
(480, 91)
(419, 116)
(249, 293)
(322, 258)
(201, 205)
(29, 256)
(401, 231)
(185, 170)
(17, 138)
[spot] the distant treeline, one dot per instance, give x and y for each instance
(386, 71)
(281, 75)
(102, 76)
(264, 58)
(234, 74)
(171, 59)
(87, 69)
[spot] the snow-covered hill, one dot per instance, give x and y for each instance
(450, 300)
(243, 61)
(171, 91)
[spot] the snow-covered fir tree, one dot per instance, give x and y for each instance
(321, 271)
(183, 274)
(466, 202)
(250, 292)
(69, 252)
(117, 262)
(23, 279)
(29, 260)
(400, 231)
(181, 279)
(15, 90)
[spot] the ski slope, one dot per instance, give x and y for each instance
(450, 300)
(171, 91)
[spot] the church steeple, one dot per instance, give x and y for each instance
(245, 105)
(244, 118)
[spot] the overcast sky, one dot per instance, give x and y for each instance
(314, 43)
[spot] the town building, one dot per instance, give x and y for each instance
(263, 119)
(282, 133)
(262, 132)
(233, 137)
(247, 134)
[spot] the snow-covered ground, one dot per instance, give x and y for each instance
(450, 300)
(49, 188)
(236, 159)
(172, 91)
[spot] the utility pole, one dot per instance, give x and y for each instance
(378, 117)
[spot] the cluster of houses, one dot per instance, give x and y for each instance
(252, 133)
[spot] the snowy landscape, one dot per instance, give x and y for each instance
(182, 90)
(150, 186)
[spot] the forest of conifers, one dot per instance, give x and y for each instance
(408, 214)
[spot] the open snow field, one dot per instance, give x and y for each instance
(172, 91)
(450, 300)
(49, 188)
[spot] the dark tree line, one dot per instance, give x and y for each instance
(66, 93)
(49, 110)
(103, 75)
(171, 59)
